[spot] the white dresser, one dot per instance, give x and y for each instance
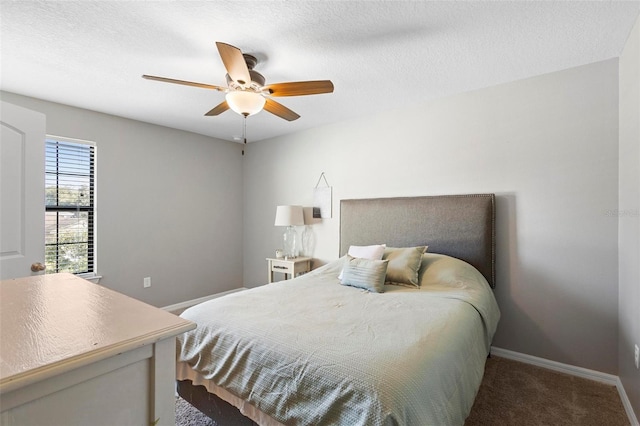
(76, 353)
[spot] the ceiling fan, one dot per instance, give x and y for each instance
(246, 92)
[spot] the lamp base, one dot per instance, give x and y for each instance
(289, 243)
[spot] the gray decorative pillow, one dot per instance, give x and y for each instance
(368, 252)
(365, 273)
(404, 264)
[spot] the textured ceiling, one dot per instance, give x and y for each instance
(380, 55)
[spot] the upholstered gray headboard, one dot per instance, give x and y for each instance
(461, 226)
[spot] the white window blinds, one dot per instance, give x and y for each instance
(69, 206)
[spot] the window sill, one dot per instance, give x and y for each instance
(92, 276)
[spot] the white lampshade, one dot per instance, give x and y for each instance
(289, 216)
(245, 102)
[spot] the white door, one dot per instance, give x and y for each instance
(21, 190)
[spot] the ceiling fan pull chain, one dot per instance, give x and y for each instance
(244, 130)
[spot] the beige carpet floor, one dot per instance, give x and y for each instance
(514, 393)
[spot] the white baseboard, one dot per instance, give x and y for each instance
(584, 373)
(189, 303)
(626, 403)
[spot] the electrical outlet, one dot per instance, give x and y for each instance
(147, 282)
(637, 356)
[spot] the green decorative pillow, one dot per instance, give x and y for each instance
(404, 264)
(365, 273)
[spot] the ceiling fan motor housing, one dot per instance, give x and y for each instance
(257, 79)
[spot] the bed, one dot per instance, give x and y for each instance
(312, 350)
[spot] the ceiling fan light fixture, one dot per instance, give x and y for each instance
(245, 102)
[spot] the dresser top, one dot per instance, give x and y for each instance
(53, 323)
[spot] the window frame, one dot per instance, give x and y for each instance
(91, 209)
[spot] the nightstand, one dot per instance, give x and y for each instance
(293, 267)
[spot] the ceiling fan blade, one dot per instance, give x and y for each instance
(234, 63)
(183, 82)
(219, 109)
(300, 88)
(280, 110)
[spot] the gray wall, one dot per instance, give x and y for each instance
(629, 216)
(169, 204)
(547, 146)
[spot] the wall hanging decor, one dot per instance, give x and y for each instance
(322, 199)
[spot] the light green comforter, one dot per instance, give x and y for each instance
(310, 351)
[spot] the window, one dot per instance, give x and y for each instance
(70, 206)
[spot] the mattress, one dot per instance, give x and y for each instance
(311, 351)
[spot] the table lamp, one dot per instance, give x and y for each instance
(289, 216)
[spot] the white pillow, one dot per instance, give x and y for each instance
(373, 252)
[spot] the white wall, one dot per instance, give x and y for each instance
(547, 146)
(169, 204)
(629, 216)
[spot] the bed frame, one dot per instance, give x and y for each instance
(462, 226)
